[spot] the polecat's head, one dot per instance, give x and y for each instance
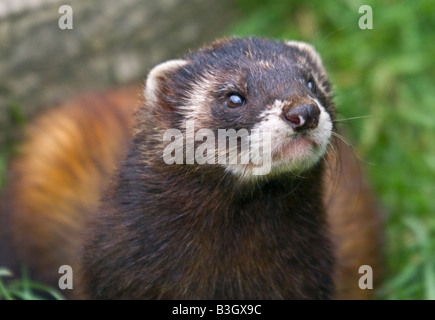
(279, 90)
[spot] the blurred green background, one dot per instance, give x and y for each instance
(388, 75)
(384, 78)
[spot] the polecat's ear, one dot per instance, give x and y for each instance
(308, 49)
(160, 82)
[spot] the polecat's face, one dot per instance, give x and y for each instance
(278, 90)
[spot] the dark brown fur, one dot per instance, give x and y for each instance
(198, 236)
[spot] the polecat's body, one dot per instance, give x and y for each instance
(204, 230)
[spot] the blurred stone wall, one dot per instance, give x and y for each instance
(112, 43)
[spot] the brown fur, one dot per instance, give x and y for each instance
(58, 177)
(355, 220)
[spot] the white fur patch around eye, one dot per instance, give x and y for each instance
(193, 106)
(315, 57)
(287, 153)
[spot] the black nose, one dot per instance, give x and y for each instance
(303, 117)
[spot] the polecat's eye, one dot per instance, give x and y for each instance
(235, 101)
(311, 85)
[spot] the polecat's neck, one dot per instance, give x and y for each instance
(265, 240)
(187, 237)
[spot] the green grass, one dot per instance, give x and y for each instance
(386, 73)
(24, 288)
(9, 136)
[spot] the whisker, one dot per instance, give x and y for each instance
(332, 150)
(339, 136)
(352, 118)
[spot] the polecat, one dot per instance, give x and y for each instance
(207, 225)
